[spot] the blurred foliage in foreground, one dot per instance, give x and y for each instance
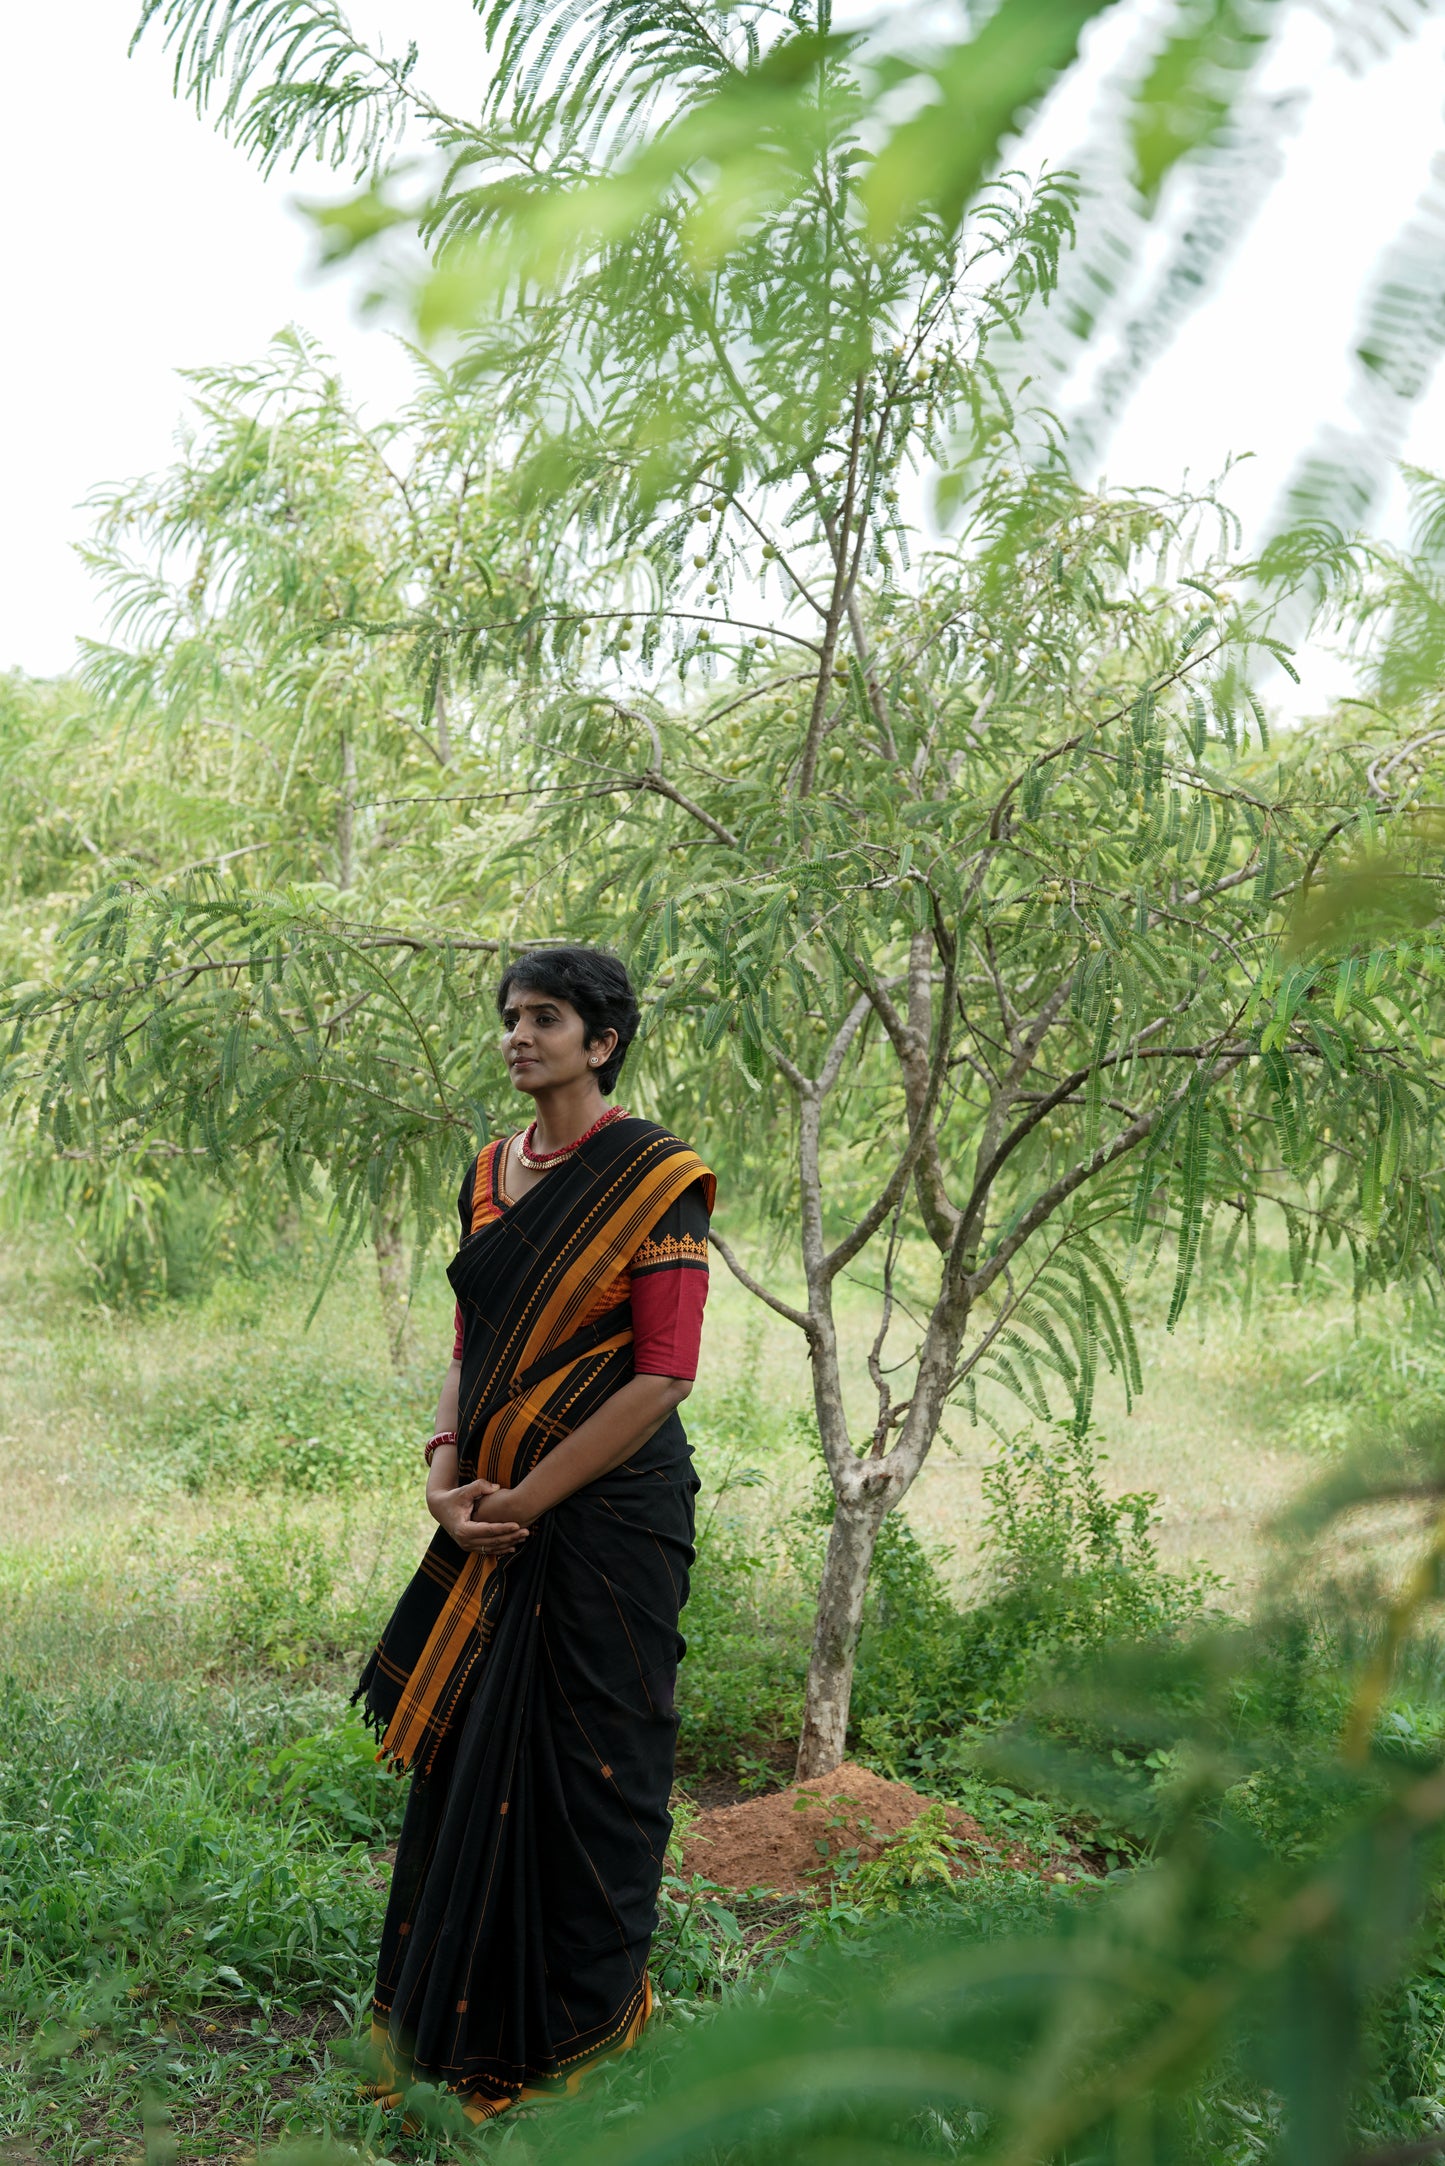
(192, 1878)
(1266, 1982)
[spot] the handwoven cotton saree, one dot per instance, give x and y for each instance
(533, 1695)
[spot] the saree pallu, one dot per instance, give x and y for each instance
(533, 1696)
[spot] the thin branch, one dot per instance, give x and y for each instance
(837, 601)
(655, 780)
(745, 1278)
(920, 1130)
(659, 786)
(1096, 1163)
(837, 1052)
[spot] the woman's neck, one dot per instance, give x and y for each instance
(567, 1112)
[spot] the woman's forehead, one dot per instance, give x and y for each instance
(522, 997)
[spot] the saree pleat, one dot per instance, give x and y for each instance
(523, 1898)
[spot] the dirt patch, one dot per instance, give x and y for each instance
(709, 1791)
(218, 2027)
(774, 1842)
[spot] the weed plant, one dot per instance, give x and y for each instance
(193, 1829)
(289, 1422)
(1069, 1572)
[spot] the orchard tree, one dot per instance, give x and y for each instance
(253, 728)
(1011, 947)
(974, 912)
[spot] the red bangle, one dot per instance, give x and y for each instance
(443, 1436)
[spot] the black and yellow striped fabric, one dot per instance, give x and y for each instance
(532, 1697)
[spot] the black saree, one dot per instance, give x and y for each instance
(533, 1696)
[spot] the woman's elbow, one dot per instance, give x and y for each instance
(672, 1390)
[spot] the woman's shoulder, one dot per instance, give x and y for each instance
(482, 1159)
(477, 1196)
(654, 1143)
(637, 1132)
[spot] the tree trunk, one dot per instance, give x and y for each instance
(346, 818)
(393, 1283)
(851, 1542)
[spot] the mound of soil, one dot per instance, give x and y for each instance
(773, 1842)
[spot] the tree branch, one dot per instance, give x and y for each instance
(1087, 1170)
(920, 1130)
(745, 1278)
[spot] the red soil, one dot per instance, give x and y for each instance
(772, 1842)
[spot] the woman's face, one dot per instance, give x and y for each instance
(544, 1041)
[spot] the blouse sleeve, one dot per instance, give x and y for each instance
(464, 1198)
(464, 1213)
(669, 1290)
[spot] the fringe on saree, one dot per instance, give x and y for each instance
(394, 2074)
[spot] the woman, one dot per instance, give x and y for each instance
(527, 1675)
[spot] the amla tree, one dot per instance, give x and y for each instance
(959, 872)
(256, 730)
(1006, 945)
(964, 909)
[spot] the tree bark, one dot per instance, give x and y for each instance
(393, 1284)
(851, 1542)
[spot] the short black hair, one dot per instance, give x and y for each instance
(595, 983)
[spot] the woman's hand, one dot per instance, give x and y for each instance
(502, 1507)
(455, 1510)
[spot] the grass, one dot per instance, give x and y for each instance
(207, 1514)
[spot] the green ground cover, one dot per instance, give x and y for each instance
(208, 1511)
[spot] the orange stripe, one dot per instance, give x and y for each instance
(507, 1429)
(590, 1254)
(621, 1231)
(484, 1181)
(446, 1643)
(461, 1612)
(577, 1284)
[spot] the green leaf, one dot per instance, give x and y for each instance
(982, 92)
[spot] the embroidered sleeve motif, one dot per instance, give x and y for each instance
(670, 1252)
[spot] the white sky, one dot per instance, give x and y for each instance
(140, 243)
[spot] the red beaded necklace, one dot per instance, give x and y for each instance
(543, 1161)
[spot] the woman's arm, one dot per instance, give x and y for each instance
(620, 1427)
(451, 1395)
(668, 1275)
(451, 1507)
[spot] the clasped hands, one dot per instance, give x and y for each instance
(480, 1516)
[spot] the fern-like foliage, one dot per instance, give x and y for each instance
(289, 79)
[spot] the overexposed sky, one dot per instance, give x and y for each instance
(140, 243)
